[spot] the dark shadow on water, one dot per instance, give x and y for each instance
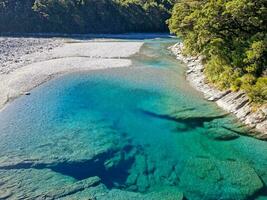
(190, 122)
(115, 175)
(90, 168)
(233, 130)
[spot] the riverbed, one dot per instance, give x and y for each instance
(138, 132)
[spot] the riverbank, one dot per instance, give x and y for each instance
(29, 62)
(83, 135)
(232, 102)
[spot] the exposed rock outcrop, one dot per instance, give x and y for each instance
(233, 102)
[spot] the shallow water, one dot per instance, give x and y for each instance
(142, 130)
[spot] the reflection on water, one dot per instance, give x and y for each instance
(135, 133)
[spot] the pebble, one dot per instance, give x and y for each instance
(13, 50)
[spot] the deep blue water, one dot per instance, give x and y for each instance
(141, 129)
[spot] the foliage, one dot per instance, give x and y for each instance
(258, 91)
(231, 35)
(84, 16)
(11, 14)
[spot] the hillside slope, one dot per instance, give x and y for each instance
(84, 16)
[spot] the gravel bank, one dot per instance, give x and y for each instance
(233, 102)
(14, 51)
(29, 62)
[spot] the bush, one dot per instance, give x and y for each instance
(258, 91)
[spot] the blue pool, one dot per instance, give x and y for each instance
(131, 133)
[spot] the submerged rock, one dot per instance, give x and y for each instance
(189, 121)
(70, 189)
(213, 179)
(222, 130)
(5, 194)
(168, 193)
(142, 183)
(241, 181)
(222, 134)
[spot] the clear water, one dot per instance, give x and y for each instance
(143, 131)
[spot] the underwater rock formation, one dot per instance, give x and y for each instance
(201, 176)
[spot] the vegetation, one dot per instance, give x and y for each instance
(230, 34)
(84, 16)
(232, 37)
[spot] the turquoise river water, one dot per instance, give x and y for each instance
(130, 133)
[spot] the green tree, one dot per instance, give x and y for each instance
(232, 37)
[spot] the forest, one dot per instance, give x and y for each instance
(231, 35)
(84, 16)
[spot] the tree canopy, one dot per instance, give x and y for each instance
(84, 16)
(230, 34)
(232, 37)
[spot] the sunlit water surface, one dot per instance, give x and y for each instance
(133, 133)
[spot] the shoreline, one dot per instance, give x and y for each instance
(232, 102)
(40, 63)
(128, 35)
(66, 56)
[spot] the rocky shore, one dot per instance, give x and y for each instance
(232, 102)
